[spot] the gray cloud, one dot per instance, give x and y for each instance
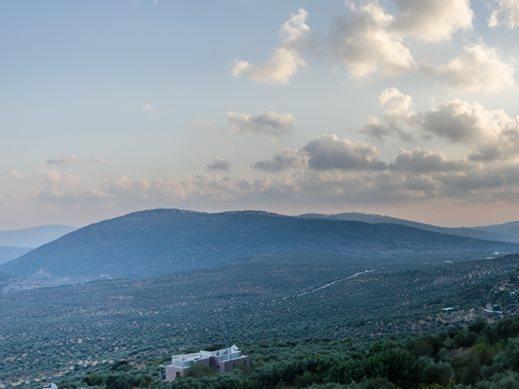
(270, 123)
(424, 161)
(73, 160)
(329, 152)
(288, 159)
(218, 164)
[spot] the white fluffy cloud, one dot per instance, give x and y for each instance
(372, 41)
(399, 116)
(396, 104)
(269, 123)
(366, 44)
(489, 134)
(478, 68)
(433, 20)
(286, 59)
(505, 13)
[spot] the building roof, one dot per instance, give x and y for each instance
(230, 352)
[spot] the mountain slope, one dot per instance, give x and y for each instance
(477, 233)
(164, 241)
(10, 253)
(34, 236)
(508, 230)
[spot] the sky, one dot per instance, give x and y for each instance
(407, 108)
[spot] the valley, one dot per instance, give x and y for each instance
(66, 332)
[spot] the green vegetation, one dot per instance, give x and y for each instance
(67, 333)
(480, 355)
(163, 241)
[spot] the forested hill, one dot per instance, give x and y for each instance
(163, 241)
(485, 233)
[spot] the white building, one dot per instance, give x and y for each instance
(224, 360)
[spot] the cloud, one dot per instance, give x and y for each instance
(478, 68)
(149, 108)
(218, 164)
(468, 123)
(425, 161)
(288, 159)
(16, 175)
(505, 13)
(490, 134)
(367, 45)
(200, 124)
(432, 20)
(285, 61)
(328, 170)
(397, 105)
(74, 160)
(399, 117)
(269, 123)
(56, 187)
(329, 152)
(69, 160)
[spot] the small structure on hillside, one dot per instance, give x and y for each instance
(50, 385)
(224, 360)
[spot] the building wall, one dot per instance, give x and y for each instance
(170, 372)
(228, 366)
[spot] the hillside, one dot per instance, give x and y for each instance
(164, 241)
(267, 300)
(34, 236)
(508, 230)
(8, 253)
(482, 354)
(485, 233)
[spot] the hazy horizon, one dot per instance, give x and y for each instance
(244, 210)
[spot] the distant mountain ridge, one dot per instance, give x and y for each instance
(508, 230)
(9, 253)
(34, 236)
(486, 233)
(163, 241)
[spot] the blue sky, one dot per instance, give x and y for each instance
(112, 106)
